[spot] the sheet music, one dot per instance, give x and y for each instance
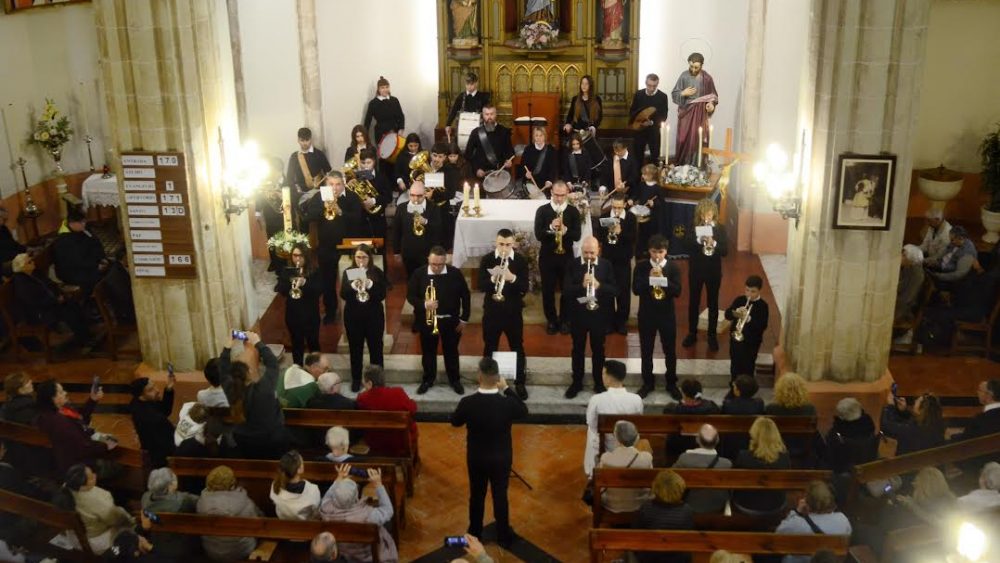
(608, 221)
(704, 231)
(355, 274)
(656, 281)
(326, 193)
(506, 363)
(434, 179)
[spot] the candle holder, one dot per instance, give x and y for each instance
(478, 211)
(31, 209)
(90, 156)
(465, 210)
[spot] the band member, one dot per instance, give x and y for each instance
(749, 314)
(441, 197)
(656, 314)
(337, 218)
(440, 299)
(472, 100)
(384, 108)
(577, 166)
(617, 240)
(301, 285)
(489, 145)
(647, 193)
(306, 168)
(416, 228)
(585, 109)
(705, 270)
(364, 316)
(375, 205)
(590, 286)
(539, 160)
(623, 174)
(649, 134)
(267, 211)
(504, 273)
(456, 160)
(402, 166)
(696, 99)
(359, 142)
(557, 227)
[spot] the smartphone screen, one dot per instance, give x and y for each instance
(358, 472)
(151, 516)
(895, 389)
(239, 335)
(95, 385)
(455, 541)
(170, 369)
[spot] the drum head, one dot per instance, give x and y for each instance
(534, 192)
(496, 181)
(390, 146)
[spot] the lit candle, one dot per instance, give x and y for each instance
(663, 142)
(476, 192)
(6, 132)
(465, 197)
(286, 207)
(711, 131)
(699, 145)
(666, 143)
(83, 109)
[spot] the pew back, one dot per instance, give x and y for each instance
(608, 540)
(47, 515)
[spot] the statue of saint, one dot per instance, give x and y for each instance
(614, 22)
(539, 10)
(465, 21)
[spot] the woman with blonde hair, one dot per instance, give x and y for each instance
(791, 397)
(767, 451)
(665, 511)
(705, 270)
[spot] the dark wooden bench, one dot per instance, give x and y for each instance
(606, 542)
(622, 478)
(268, 529)
(256, 476)
(53, 521)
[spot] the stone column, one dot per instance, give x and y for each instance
(861, 94)
(312, 98)
(165, 70)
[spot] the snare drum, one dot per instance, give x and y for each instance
(595, 152)
(467, 122)
(498, 184)
(390, 145)
(641, 212)
(534, 192)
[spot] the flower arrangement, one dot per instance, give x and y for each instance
(53, 130)
(686, 175)
(283, 242)
(525, 243)
(539, 35)
(581, 202)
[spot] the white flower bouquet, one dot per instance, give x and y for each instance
(539, 35)
(283, 242)
(53, 130)
(687, 175)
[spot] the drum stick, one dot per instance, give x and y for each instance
(532, 179)
(447, 133)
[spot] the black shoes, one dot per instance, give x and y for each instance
(645, 390)
(713, 343)
(457, 387)
(424, 386)
(622, 329)
(551, 328)
(674, 392)
(564, 328)
(573, 391)
(521, 391)
(689, 340)
(600, 389)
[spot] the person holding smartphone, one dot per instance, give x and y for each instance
(364, 316)
(302, 285)
(150, 415)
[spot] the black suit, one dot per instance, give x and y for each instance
(620, 256)
(476, 153)
(581, 162)
(590, 323)
(318, 165)
(467, 102)
(302, 314)
(77, 257)
(489, 454)
(504, 317)
(983, 424)
(453, 302)
(532, 157)
(441, 198)
(156, 433)
(364, 322)
(387, 115)
(649, 136)
(413, 249)
(656, 316)
(705, 271)
(374, 223)
(641, 193)
(631, 173)
(552, 266)
(331, 235)
(743, 355)
(9, 248)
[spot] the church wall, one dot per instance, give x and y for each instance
(49, 52)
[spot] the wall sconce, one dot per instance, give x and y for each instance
(781, 183)
(241, 176)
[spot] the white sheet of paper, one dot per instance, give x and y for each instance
(355, 274)
(608, 221)
(583, 300)
(494, 270)
(704, 231)
(434, 179)
(360, 242)
(326, 193)
(655, 281)
(506, 363)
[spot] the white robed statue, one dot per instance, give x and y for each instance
(539, 10)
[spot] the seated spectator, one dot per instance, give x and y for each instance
(931, 502)
(9, 247)
(214, 395)
(297, 385)
(77, 255)
(70, 428)
(223, 497)
(20, 405)
(341, 503)
(474, 552)
(987, 496)
(815, 514)
(191, 422)
(665, 511)
(329, 396)
(767, 451)
(914, 428)
(261, 434)
(338, 439)
(625, 454)
(723, 556)
(988, 421)
(378, 397)
(151, 418)
(791, 397)
(294, 498)
(742, 399)
(691, 403)
(968, 300)
(614, 400)
(130, 546)
(852, 439)
(162, 496)
(39, 301)
(956, 262)
(705, 456)
(937, 237)
(911, 281)
(323, 549)
(101, 517)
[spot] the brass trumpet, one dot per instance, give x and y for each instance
(708, 248)
(418, 224)
(559, 235)
(657, 291)
(741, 322)
(591, 290)
(297, 282)
(331, 209)
(359, 287)
(430, 294)
(365, 191)
(612, 235)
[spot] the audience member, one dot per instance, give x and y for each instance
(767, 451)
(19, 405)
(378, 397)
(130, 546)
(987, 496)
(9, 247)
(297, 386)
(294, 498)
(16, 527)
(151, 418)
(625, 454)
(931, 502)
(852, 439)
(338, 439)
(323, 549)
(706, 456)
(77, 255)
(214, 395)
(329, 396)
(956, 262)
(911, 281)
(988, 421)
(937, 237)
(162, 496)
(262, 434)
(791, 398)
(39, 301)
(815, 514)
(223, 497)
(691, 403)
(914, 428)
(95, 506)
(191, 421)
(665, 511)
(69, 428)
(742, 399)
(475, 552)
(341, 503)
(723, 556)
(615, 400)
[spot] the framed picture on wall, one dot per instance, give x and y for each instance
(11, 6)
(864, 191)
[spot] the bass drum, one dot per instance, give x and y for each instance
(498, 185)
(467, 123)
(390, 145)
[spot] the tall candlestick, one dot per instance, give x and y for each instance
(699, 145)
(663, 140)
(465, 199)
(286, 207)
(476, 192)
(711, 131)
(666, 149)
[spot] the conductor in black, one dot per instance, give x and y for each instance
(489, 414)
(503, 277)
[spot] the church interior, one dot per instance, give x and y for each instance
(257, 259)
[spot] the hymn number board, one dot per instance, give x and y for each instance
(158, 212)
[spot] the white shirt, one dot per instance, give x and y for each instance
(559, 208)
(383, 98)
(430, 272)
(661, 264)
(991, 406)
(488, 391)
(979, 500)
(308, 151)
(413, 208)
(616, 400)
(539, 147)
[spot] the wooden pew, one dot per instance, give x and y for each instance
(256, 476)
(622, 478)
(392, 421)
(268, 528)
(53, 520)
(607, 540)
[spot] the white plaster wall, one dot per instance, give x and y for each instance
(961, 86)
(49, 52)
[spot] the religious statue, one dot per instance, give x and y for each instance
(465, 23)
(539, 10)
(614, 23)
(696, 98)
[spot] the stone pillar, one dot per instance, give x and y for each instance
(861, 94)
(165, 70)
(312, 97)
